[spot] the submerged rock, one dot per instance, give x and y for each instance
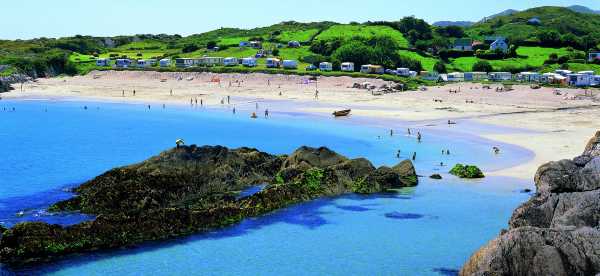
(190, 189)
(435, 176)
(557, 232)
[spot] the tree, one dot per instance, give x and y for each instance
(451, 31)
(275, 52)
(440, 67)
(549, 38)
(188, 48)
(482, 66)
(211, 45)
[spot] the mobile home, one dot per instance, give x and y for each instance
(456, 76)
(580, 80)
(529, 77)
(211, 61)
(184, 62)
(273, 63)
(325, 66)
(230, 61)
(596, 80)
(249, 62)
(553, 78)
(405, 72)
(347, 66)
(103, 62)
(475, 76)
(165, 62)
(290, 64)
(500, 76)
(123, 63)
(142, 63)
(372, 69)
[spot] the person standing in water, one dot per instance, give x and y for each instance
(414, 157)
(408, 129)
(234, 110)
(201, 102)
(266, 113)
(419, 137)
(391, 132)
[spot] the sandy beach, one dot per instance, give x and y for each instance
(550, 123)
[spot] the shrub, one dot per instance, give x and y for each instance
(482, 66)
(466, 171)
(440, 67)
(188, 48)
(360, 186)
(312, 179)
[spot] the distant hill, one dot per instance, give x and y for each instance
(515, 26)
(504, 13)
(453, 23)
(583, 9)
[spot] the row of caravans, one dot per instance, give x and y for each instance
(126, 63)
(560, 77)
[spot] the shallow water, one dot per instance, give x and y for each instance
(48, 146)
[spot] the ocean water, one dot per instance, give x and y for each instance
(47, 147)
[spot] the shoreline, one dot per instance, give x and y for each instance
(546, 124)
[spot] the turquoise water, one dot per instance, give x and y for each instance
(47, 146)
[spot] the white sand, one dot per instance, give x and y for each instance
(554, 126)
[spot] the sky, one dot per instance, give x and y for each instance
(24, 19)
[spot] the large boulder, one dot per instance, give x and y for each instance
(557, 232)
(314, 157)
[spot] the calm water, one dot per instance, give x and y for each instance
(46, 147)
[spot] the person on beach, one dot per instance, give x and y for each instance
(391, 132)
(123, 93)
(268, 82)
(201, 102)
(414, 157)
(228, 99)
(408, 129)
(447, 152)
(191, 101)
(196, 101)
(234, 110)
(134, 92)
(148, 107)
(171, 92)
(266, 113)
(316, 94)
(419, 137)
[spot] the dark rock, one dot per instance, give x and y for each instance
(192, 189)
(526, 191)
(436, 176)
(557, 232)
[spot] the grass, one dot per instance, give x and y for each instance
(300, 35)
(154, 45)
(576, 67)
(528, 57)
(426, 62)
(350, 31)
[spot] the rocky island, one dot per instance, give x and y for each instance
(192, 189)
(557, 232)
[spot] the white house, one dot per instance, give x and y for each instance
(501, 44)
(529, 77)
(273, 62)
(500, 76)
(165, 62)
(184, 62)
(230, 61)
(122, 63)
(249, 62)
(475, 76)
(594, 56)
(347, 66)
(103, 62)
(580, 79)
(325, 66)
(290, 64)
(405, 72)
(456, 76)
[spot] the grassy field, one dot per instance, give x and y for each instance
(426, 62)
(528, 56)
(576, 67)
(350, 31)
(301, 35)
(144, 45)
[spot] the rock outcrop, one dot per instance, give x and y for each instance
(557, 232)
(191, 189)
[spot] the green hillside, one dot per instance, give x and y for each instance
(362, 31)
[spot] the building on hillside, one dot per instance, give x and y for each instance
(165, 62)
(501, 44)
(294, 44)
(456, 76)
(580, 80)
(534, 21)
(249, 62)
(325, 66)
(256, 44)
(273, 63)
(103, 62)
(462, 44)
(290, 64)
(475, 76)
(347, 66)
(230, 61)
(490, 39)
(594, 56)
(184, 62)
(500, 76)
(529, 77)
(372, 69)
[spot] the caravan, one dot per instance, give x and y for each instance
(273, 63)
(290, 64)
(165, 62)
(347, 67)
(372, 69)
(249, 62)
(325, 66)
(230, 61)
(184, 62)
(103, 62)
